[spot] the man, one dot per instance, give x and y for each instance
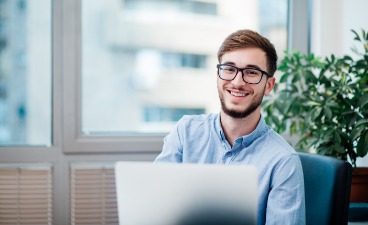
(239, 134)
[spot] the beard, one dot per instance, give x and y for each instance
(240, 114)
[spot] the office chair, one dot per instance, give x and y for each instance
(327, 189)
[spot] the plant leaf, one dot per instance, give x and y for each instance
(340, 149)
(356, 35)
(293, 127)
(356, 132)
(361, 121)
(315, 113)
(310, 77)
(313, 103)
(337, 138)
(328, 112)
(284, 77)
(363, 100)
(353, 119)
(283, 67)
(348, 58)
(362, 147)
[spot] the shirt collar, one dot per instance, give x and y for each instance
(247, 140)
(218, 127)
(260, 130)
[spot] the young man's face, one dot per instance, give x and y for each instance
(240, 99)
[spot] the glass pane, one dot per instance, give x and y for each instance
(146, 63)
(25, 72)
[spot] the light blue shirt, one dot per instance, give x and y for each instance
(200, 139)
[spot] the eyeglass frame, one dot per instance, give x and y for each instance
(242, 72)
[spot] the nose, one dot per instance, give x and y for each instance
(238, 80)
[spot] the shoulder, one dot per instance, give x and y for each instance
(279, 144)
(287, 158)
(275, 152)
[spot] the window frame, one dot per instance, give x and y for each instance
(299, 25)
(73, 139)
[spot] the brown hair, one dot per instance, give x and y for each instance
(249, 39)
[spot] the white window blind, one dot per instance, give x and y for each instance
(26, 195)
(93, 195)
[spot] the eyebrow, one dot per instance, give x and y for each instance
(248, 66)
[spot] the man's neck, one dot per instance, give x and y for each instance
(235, 128)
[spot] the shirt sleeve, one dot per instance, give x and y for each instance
(286, 200)
(172, 150)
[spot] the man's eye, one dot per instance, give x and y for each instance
(229, 69)
(251, 72)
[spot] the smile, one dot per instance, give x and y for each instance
(238, 94)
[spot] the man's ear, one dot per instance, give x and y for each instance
(269, 85)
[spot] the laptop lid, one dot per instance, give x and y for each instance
(186, 194)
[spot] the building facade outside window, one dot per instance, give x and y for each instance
(141, 53)
(25, 73)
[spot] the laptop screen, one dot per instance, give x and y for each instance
(186, 194)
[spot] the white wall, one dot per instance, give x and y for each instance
(355, 17)
(332, 21)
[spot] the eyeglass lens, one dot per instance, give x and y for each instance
(251, 76)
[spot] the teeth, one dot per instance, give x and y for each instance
(237, 94)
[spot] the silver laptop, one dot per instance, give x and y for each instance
(186, 194)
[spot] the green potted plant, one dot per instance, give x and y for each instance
(324, 103)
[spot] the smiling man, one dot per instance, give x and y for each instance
(239, 134)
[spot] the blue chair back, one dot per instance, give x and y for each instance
(327, 189)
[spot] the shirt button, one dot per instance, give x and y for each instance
(229, 154)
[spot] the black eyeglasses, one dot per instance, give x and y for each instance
(250, 75)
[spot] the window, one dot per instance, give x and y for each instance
(160, 119)
(183, 60)
(136, 54)
(25, 73)
(156, 114)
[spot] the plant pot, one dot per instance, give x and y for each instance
(359, 185)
